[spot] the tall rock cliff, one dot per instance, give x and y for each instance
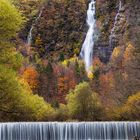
(118, 25)
(60, 31)
(123, 50)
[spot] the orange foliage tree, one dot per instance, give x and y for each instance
(31, 76)
(65, 82)
(106, 84)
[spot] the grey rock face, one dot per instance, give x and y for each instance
(126, 25)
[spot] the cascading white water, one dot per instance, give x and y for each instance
(87, 48)
(29, 37)
(116, 20)
(120, 5)
(69, 131)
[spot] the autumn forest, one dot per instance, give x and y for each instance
(44, 78)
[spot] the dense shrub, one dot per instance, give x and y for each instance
(83, 104)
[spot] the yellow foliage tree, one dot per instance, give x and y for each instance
(131, 109)
(128, 54)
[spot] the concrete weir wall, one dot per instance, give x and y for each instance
(69, 130)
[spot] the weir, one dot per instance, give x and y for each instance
(69, 131)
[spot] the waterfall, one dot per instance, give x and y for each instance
(112, 35)
(29, 37)
(69, 130)
(120, 5)
(87, 48)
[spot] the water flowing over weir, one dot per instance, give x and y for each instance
(87, 48)
(69, 131)
(29, 37)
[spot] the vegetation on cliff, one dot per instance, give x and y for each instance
(47, 81)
